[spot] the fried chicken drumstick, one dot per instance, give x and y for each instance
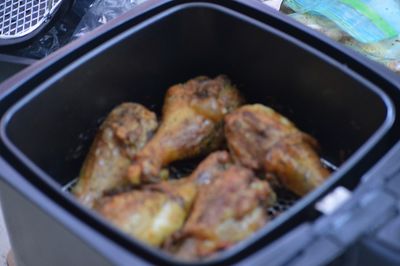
(222, 201)
(261, 139)
(152, 213)
(125, 131)
(192, 124)
(156, 211)
(230, 206)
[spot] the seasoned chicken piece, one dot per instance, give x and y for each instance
(192, 124)
(261, 139)
(151, 214)
(155, 212)
(231, 207)
(124, 132)
(210, 168)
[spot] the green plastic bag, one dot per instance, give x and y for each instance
(367, 21)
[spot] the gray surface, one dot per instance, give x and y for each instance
(8, 69)
(4, 242)
(9, 65)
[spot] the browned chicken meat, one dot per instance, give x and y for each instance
(124, 132)
(210, 168)
(156, 211)
(192, 124)
(222, 201)
(230, 206)
(151, 214)
(261, 139)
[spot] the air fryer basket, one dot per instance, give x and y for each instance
(22, 20)
(48, 131)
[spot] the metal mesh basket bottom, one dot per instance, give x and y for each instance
(285, 198)
(20, 17)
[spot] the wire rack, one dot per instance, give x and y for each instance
(20, 17)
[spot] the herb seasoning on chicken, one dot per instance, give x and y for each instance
(261, 139)
(229, 207)
(192, 125)
(124, 132)
(155, 212)
(222, 201)
(152, 213)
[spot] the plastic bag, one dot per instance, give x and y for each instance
(365, 20)
(275, 4)
(321, 24)
(386, 52)
(102, 11)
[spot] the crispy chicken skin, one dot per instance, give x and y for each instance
(192, 124)
(229, 207)
(156, 211)
(261, 139)
(125, 131)
(221, 202)
(210, 168)
(151, 214)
